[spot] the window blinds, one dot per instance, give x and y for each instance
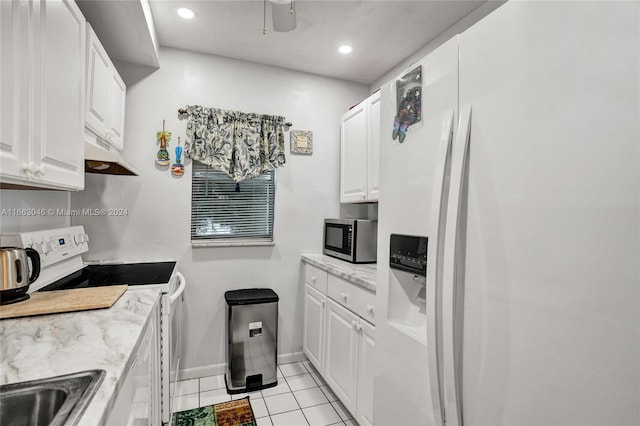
(220, 213)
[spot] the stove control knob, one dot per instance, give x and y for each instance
(44, 248)
(77, 239)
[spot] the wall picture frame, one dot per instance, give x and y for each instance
(301, 142)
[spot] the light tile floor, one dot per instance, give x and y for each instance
(301, 398)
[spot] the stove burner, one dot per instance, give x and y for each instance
(106, 275)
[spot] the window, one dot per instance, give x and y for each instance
(223, 213)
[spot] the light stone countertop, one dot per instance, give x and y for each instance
(363, 275)
(51, 345)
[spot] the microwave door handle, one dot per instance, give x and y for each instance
(180, 290)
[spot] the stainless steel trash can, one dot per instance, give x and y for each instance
(252, 339)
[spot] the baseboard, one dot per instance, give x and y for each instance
(215, 369)
(205, 371)
(292, 357)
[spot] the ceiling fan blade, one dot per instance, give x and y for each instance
(283, 19)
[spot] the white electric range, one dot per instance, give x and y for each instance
(62, 268)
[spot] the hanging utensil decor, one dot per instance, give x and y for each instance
(162, 157)
(177, 168)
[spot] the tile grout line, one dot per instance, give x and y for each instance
(300, 407)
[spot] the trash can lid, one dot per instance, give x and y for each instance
(250, 296)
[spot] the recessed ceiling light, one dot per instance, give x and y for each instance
(344, 49)
(186, 13)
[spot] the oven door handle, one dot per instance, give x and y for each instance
(180, 290)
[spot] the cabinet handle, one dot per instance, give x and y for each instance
(370, 309)
(359, 327)
(354, 324)
(344, 296)
(322, 302)
(313, 280)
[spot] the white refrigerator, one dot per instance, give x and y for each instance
(524, 175)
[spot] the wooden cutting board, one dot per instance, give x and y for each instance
(58, 301)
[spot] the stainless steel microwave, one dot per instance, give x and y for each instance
(353, 240)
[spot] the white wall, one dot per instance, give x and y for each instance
(457, 28)
(28, 201)
(158, 220)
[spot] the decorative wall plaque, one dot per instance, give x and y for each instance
(301, 142)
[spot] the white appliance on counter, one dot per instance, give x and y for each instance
(62, 268)
(523, 174)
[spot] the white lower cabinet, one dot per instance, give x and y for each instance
(366, 354)
(138, 400)
(313, 336)
(342, 344)
(339, 342)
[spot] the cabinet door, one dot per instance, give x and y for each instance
(138, 398)
(373, 153)
(353, 155)
(99, 87)
(59, 73)
(341, 362)
(366, 354)
(146, 397)
(14, 88)
(118, 98)
(314, 319)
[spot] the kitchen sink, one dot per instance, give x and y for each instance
(53, 401)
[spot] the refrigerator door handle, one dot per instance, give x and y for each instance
(452, 273)
(434, 260)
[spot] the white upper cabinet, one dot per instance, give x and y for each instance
(98, 85)
(353, 155)
(42, 67)
(116, 137)
(58, 150)
(14, 89)
(359, 152)
(106, 93)
(373, 151)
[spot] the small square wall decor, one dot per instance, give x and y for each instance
(301, 142)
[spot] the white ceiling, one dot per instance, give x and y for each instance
(382, 33)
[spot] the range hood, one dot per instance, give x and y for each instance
(106, 162)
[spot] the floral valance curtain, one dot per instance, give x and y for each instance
(242, 145)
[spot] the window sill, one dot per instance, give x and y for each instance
(244, 243)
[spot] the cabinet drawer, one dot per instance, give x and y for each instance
(315, 277)
(353, 297)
